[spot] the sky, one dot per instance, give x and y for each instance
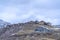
(15, 11)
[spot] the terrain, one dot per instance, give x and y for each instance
(33, 30)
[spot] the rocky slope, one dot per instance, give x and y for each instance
(32, 30)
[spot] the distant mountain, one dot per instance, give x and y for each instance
(56, 26)
(3, 23)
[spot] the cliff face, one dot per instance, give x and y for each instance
(27, 31)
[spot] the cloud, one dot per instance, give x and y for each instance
(15, 11)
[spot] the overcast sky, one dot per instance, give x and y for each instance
(16, 11)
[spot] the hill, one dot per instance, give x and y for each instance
(32, 30)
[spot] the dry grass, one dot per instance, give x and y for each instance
(24, 32)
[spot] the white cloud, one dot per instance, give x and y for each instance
(22, 10)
